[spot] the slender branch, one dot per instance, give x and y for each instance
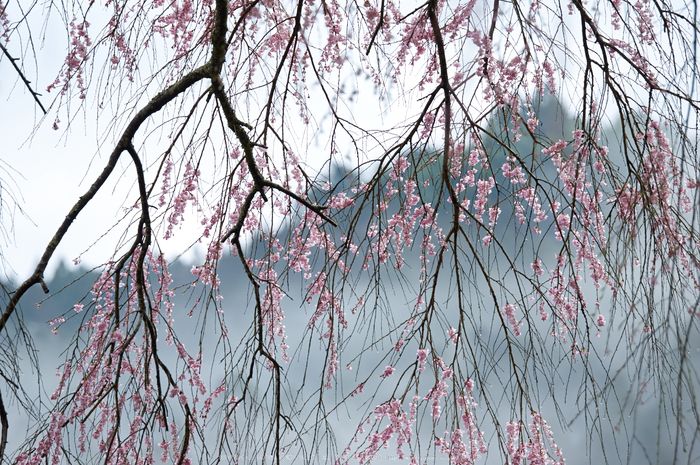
(447, 90)
(380, 24)
(318, 209)
(26, 81)
(236, 230)
(292, 40)
(186, 439)
(494, 19)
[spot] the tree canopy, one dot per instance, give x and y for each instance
(430, 231)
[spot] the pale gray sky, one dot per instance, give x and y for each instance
(52, 170)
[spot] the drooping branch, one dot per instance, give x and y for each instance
(237, 126)
(276, 78)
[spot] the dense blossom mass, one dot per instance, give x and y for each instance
(451, 217)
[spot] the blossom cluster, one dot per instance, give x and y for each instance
(534, 451)
(463, 445)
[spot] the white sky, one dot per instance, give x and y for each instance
(52, 170)
(48, 172)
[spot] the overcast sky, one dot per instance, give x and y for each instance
(48, 171)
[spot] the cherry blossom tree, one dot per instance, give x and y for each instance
(430, 274)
